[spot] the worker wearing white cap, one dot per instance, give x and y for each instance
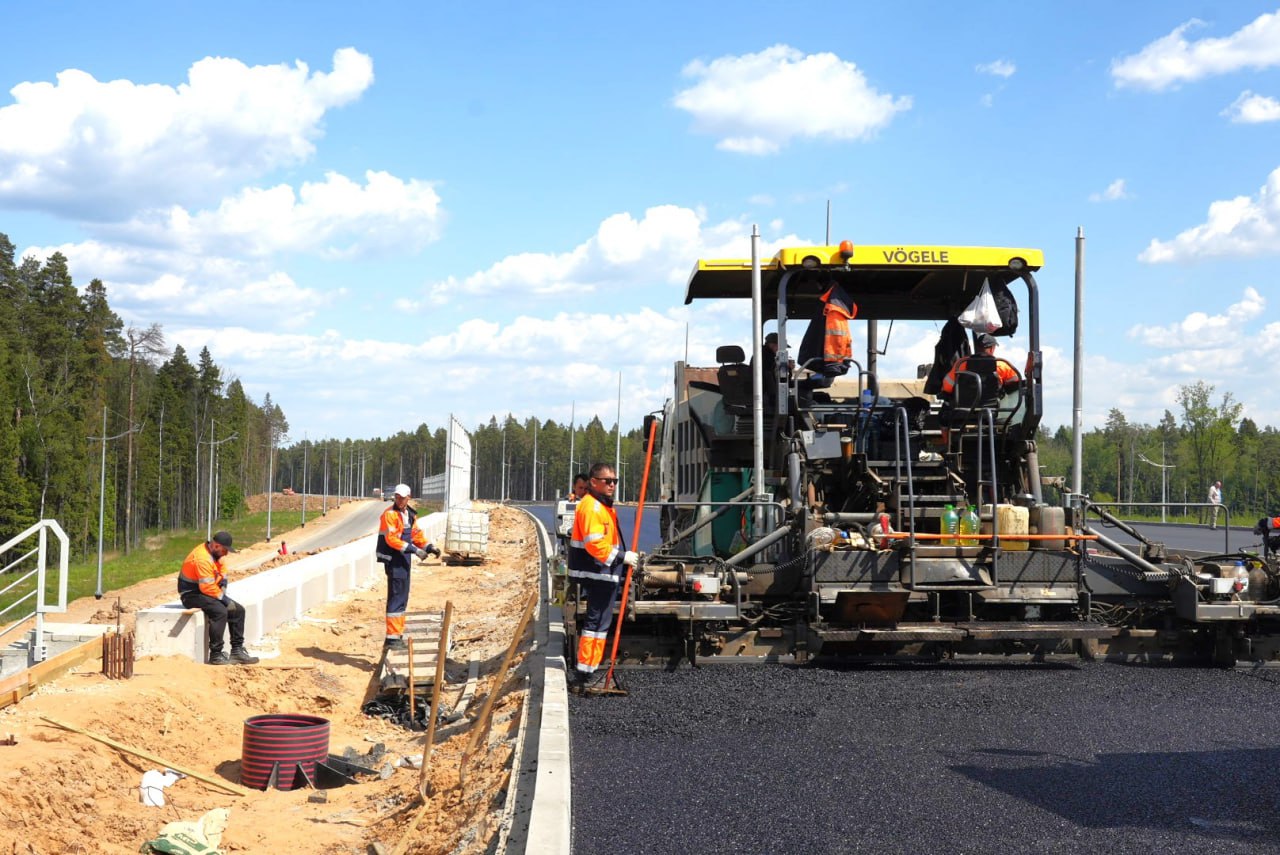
(398, 539)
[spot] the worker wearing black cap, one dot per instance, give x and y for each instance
(982, 362)
(202, 584)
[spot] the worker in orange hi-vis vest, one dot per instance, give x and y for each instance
(597, 561)
(398, 540)
(202, 584)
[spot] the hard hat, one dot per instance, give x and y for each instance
(403, 490)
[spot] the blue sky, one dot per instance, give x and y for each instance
(384, 214)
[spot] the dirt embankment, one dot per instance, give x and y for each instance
(63, 793)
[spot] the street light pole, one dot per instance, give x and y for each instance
(213, 446)
(102, 494)
(271, 475)
(304, 479)
(1164, 479)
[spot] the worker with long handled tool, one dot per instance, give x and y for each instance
(597, 558)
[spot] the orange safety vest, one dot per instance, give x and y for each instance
(1004, 371)
(398, 531)
(595, 545)
(201, 572)
(837, 345)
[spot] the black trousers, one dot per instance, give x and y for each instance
(218, 615)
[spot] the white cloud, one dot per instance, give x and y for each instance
(146, 283)
(1199, 330)
(1239, 227)
(537, 354)
(334, 218)
(1251, 109)
(997, 68)
(99, 150)
(623, 253)
(758, 103)
(1115, 191)
(1172, 59)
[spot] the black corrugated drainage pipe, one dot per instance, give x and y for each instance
(279, 746)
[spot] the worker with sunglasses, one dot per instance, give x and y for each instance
(598, 559)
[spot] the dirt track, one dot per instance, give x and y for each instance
(62, 793)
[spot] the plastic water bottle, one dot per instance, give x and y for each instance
(950, 524)
(969, 526)
(868, 399)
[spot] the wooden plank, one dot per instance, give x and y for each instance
(226, 786)
(469, 690)
(68, 659)
(17, 686)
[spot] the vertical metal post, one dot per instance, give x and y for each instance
(304, 479)
(617, 457)
(757, 392)
(271, 476)
(160, 473)
(572, 407)
(212, 445)
(1164, 482)
(102, 505)
(1077, 405)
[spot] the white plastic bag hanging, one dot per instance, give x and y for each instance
(982, 315)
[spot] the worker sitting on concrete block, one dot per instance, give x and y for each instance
(202, 584)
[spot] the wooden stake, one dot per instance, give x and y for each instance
(482, 722)
(412, 693)
(227, 786)
(429, 743)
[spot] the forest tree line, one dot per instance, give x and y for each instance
(183, 443)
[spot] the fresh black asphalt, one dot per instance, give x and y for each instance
(949, 758)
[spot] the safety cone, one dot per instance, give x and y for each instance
(284, 548)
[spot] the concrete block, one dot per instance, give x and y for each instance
(166, 631)
(254, 628)
(74, 632)
(279, 608)
(313, 588)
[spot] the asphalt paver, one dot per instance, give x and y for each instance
(948, 758)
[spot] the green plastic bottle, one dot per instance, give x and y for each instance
(970, 525)
(950, 525)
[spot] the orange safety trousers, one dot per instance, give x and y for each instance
(601, 596)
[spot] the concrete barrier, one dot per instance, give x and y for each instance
(270, 598)
(538, 813)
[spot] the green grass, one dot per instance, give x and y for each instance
(162, 555)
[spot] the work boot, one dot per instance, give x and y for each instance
(242, 656)
(395, 644)
(219, 658)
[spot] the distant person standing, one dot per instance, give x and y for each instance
(398, 540)
(202, 584)
(598, 559)
(1215, 499)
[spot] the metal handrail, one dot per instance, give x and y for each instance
(901, 436)
(40, 530)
